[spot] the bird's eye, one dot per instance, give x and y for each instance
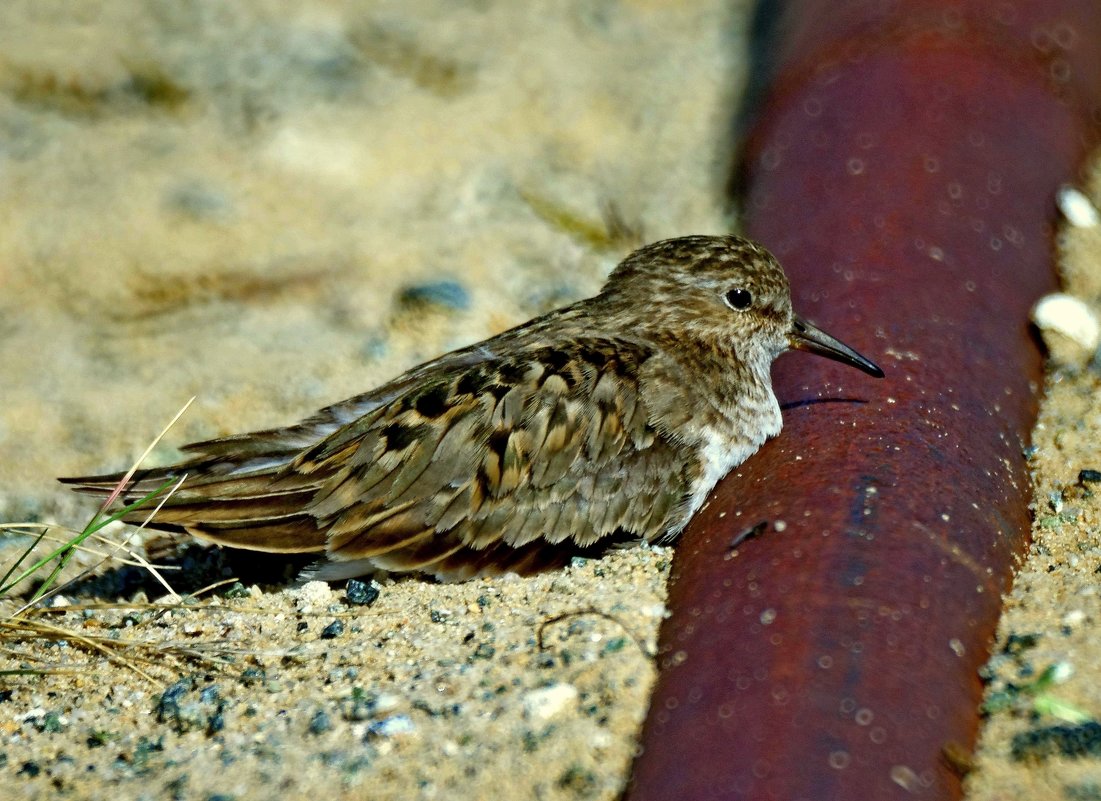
(739, 299)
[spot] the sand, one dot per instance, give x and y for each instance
(1044, 741)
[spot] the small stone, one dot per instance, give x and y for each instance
(333, 630)
(446, 294)
(579, 781)
(1067, 741)
(238, 590)
(252, 675)
(613, 645)
(168, 705)
(391, 727)
(320, 722)
(658, 610)
(385, 702)
(546, 702)
(1073, 617)
(1070, 328)
(1060, 672)
(1077, 208)
(216, 722)
(361, 593)
(199, 202)
(484, 651)
(313, 595)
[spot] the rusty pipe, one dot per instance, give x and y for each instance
(902, 168)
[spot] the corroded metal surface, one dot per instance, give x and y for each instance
(902, 168)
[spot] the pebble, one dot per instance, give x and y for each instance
(320, 723)
(484, 651)
(391, 727)
(546, 702)
(200, 202)
(1073, 617)
(1070, 328)
(313, 596)
(1077, 208)
(1068, 741)
(361, 593)
(445, 294)
(1089, 475)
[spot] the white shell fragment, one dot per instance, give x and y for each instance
(313, 597)
(1078, 209)
(1070, 328)
(546, 702)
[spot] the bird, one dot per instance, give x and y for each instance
(601, 423)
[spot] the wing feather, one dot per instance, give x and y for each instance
(473, 463)
(528, 451)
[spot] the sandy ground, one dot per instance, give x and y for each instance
(1042, 738)
(275, 205)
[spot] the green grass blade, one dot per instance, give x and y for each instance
(15, 565)
(65, 551)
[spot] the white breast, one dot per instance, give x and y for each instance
(723, 450)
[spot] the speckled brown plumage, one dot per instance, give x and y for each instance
(606, 420)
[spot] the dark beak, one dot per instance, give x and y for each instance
(805, 336)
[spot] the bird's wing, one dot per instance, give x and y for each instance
(475, 463)
(239, 491)
(493, 463)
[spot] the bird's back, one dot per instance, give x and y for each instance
(491, 459)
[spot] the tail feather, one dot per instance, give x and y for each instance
(287, 534)
(196, 486)
(185, 507)
(274, 442)
(248, 490)
(241, 498)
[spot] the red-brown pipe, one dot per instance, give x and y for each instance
(902, 169)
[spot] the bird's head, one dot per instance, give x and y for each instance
(725, 292)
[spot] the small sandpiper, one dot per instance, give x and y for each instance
(605, 421)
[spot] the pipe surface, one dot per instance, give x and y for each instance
(902, 169)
